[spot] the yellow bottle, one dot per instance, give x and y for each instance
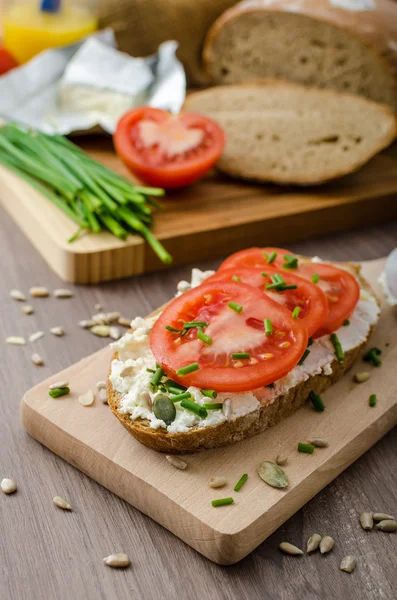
(29, 27)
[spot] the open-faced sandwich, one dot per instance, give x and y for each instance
(240, 349)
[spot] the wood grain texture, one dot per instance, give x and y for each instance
(203, 221)
(49, 553)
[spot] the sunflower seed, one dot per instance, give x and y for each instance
(8, 486)
(99, 318)
(61, 503)
(176, 462)
(227, 408)
(124, 322)
(388, 525)
(111, 317)
(58, 384)
(36, 336)
(290, 549)
(27, 309)
(87, 323)
(326, 544)
(217, 482)
(100, 385)
(100, 330)
(272, 474)
(63, 293)
(15, 339)
(87, 399)
(146, 400)
(114, 332)
(127, 371)
(313, 542)
(382, 517)
(117, 560)
(37, 360)
(281, 460)
(98, 307)
(348, 564)
(319, 442)
(103, 396)
(17, 295)
(59, 331)
(39, 292)
(361, 377)
(183, 286)
(366, 520)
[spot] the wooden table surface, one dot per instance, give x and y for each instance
(49, 553)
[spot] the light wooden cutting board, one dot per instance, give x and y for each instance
(93, 440)
(215, 217)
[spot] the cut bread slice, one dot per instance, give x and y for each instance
(313, 42)
(287, 133)
(236, 429)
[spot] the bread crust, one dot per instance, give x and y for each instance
(230, 432)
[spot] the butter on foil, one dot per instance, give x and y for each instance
(90, 84)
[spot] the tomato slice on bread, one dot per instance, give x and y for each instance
(256, 257)
(167, 150)
(238, 354)
(307, 299)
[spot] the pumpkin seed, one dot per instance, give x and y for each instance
(87, 399)
(227, 408)
(63, 293)
(176, 462)
(59, 331)
(326, 544)
(100, 330)
(313, 542)
(17, 295)
(39, 292)
(118, 560)
(114, 332)
(388, 525)
(164, 409)
(361, 376)
(290, 549)
(27, 309)
(61, 503)
(281, 460)
(36, 336)
(124, 322)
(272, 474)
(348, 564)
(100, 385)
(382, 517)
(217, 482)
(8, 486)
(366, 520)
(58, 384)
(103, 395)
(87, 323)
(319, 442)
(16, 340)
(37, 360)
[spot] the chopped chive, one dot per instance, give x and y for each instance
(265, 275)
(295, 312)
(315, 277)
(372, 357)
(184, 332)
(308, 448)
(340, 355)
(270, 385)
(241, 482)
(173, 329)
(173, 384)
(272, 258)
(240, 355)
(150, 370)
(304, 357)
(291, 262)
(292, 286)
(195, 408)
(236, 307)
(175, 390)
(310, 341)
(209, 393)
(372, 400)
(203, 337)
(180, 397)
(162, 388)
(59, 392)
(277, 278)
(158, 375)
(193, 324)
(268, 327)
(346, 323)
(188, 369)
(317, 401)
(236, 278)
(222, 502)
(215, 406)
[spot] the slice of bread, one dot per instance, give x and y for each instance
(315, 43)
(232, 431)
(287, 133)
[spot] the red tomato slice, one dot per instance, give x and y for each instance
(308, 297)
(7, 61)
(166, 150)
(255, 257)
(270, 356)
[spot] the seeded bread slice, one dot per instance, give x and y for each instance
(230, 432)
(286, 133)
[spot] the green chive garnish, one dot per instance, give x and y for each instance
(346, 323)
(272, 257)
(159, 374)
(304, 357)
(283, 288)
(150, 370)
(215, 406)
(295, 312)
(173, 329)
(372, 356)
(195, 408)
(203, 337)
(291, 262)
(59, 392)
(209, 393)
(175, 390)
(372, 400)
(309, 343)
(340, 355)
(193, 324)
(317, 401)
(234, 306)
(236, 278)
(315, 277)
(241, 482)
(268, 327)
(180, 397)
(222, 502)
(265, 275)
(240, 355)
(173, 384)
(188, 369)
(308, 448)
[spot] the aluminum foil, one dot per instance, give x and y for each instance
(90, 84)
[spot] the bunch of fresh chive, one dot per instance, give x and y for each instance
(92, 195)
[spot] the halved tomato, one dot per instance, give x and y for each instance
(7, 61)
(240, 356)
(256, 257)
(167, 150)
(307, 297)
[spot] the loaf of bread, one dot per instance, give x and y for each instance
(324, 43)
(288, 133)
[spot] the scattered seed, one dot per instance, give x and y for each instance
(387, 525)
(164, 409)
(99, 318)
(348, 564)
(39, 292)
(8, 486)
(63, 293)
(17, 295)
(118, 560)
(59, 392)
(176, 462)
(127, 371)
(114, 332)
(313, 542)
(87, 399)
(103, 395)
(16, 340)
(98, 307)
(217, 482)
(36, 336)
(227, 408)
(382, 517)
(62, 503)
(87, 323)
(59, 331)
(272, 474)
(366, 520)
(37, 360)
(326, 544)
(100, 385)
(281, 460)
(319, 442)
(27, 309)
(124, 322)
(360, 378)
(290, 549)
(146, 400)
(183, 286)
(58, 385)
(100, 330)
(112, 317)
